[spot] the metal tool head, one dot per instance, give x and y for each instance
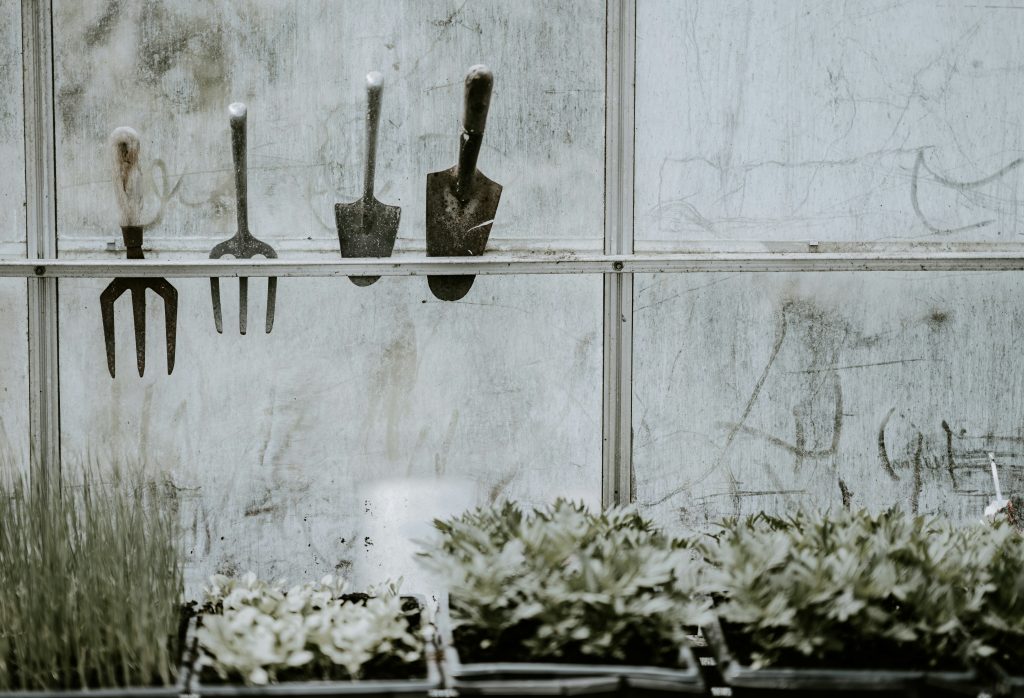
(138, 287)
(128, 192)
(242, 245)
(368, 228)
(461, 201)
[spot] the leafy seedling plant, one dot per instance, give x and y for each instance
(994, 559)
(851, 590)
(565, 584)
(90, 585)
(260, 632)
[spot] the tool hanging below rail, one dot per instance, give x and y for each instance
(243, 245)
(461, 201)
(368, 228)
(128, 189)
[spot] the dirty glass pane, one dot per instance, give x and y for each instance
(273, 443)
(774, 391)
(14, 376)
(170, 69)
(844, 122)
(269, 442)
(13, 301)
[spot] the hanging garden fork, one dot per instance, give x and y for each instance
(128, 188)
(243, 245)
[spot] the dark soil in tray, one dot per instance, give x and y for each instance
(856, 655)
(384, 669)
(509, 647)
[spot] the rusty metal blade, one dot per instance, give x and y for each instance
(458, 228)
(139, 318)
(218, 321)
(367, 228)
(169, 294)
(243, 304)
(271, 302)
(107, 298)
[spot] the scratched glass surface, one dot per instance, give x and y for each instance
(866, 123)
(12, 142)
(170, 69)
(14, 452)
(774, 391)
(14, 426)
(272, 442)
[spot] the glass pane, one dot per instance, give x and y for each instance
(867, 122)
(272, 443)
(269, 442)
(170, 70)
(13, 302)
(773, 391)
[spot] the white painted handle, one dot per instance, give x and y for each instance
(124, 142)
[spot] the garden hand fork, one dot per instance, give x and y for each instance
(243, 245)
(127, 186)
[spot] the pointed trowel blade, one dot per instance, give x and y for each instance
(367, 228)
(458, 228)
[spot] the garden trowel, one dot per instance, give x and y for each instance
(367, 228)
(461, 201)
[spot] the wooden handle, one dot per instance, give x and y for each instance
(374, 90)
(124, 142)
(238, 112)
(479, 81)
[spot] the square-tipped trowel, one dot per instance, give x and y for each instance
(461, 201)
(367, 228)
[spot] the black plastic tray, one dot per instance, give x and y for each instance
(295, 689)
(783, 679)
(562, 678)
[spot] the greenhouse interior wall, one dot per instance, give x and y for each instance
(760, 126)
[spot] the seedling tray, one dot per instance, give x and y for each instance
(565, 679)
(811, 681)
(296, 689)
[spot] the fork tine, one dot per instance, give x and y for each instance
(170, 296)
(107, 310)
(243, 303)
(139, 317)
(215, 292)
(271, 301)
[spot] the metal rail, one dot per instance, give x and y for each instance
(514, 265)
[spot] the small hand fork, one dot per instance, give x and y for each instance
(243, 245)
(127, 186)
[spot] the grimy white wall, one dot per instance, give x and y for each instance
(759, 125)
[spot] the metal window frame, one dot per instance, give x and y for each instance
(618, 264)
(41, 239)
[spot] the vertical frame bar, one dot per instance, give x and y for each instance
(617, 409)
(41, 239)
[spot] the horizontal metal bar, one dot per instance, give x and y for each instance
(534, 264)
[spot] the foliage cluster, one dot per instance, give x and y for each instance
(566, 584)
(875, 590)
